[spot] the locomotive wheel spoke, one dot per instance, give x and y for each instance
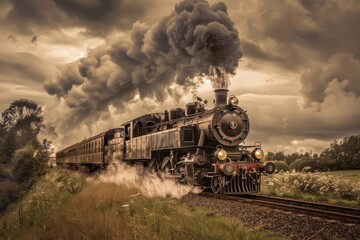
(216, 184)
(166, 165)
(153, 167)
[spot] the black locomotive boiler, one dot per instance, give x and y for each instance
(194, 145)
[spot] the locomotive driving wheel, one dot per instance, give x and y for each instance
(216, 184)
(166, 165)
(153, 166)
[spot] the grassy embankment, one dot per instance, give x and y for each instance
(338, 187)
(64, 205)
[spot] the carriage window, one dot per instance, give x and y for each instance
(149, 125)
(188, 135)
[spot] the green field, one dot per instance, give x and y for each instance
(353, 175)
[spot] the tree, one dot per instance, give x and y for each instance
(345, 153)
(279, 156)
(270, 156)
(23, 158)
(20, 123)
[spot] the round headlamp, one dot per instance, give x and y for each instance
(228, 169)
(258, 153)
(233, 101)
(221, 154)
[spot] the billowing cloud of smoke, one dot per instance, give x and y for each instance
(341, 67)
(191, 42)
(148, 184)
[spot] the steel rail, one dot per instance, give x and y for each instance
(346, 214)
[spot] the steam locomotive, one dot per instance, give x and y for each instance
(194, 145)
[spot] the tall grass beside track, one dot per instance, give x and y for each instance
(332, 187)
(66, 206)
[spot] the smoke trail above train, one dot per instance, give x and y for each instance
(196, 40)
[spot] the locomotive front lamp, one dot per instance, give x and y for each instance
(228, 169)
(233, 101)
(258, 153)
(221, 154)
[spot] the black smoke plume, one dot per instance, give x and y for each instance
(196, 40)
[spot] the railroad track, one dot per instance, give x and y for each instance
(347, 214)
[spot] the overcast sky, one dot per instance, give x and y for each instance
(298, 77)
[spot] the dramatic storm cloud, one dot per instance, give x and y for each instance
(294, 34)
(96, 16)
(196, 40)
(113, 60)
(341, 67)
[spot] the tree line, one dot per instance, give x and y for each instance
(23, 156)
(340, 155)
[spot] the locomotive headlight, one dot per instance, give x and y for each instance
(220, 154)
(258, 153)
(228, 169)
(233, 101)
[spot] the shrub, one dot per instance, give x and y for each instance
(317, 184)
(24, 163)
(9, 192)
(281, 166)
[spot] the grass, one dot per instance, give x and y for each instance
(100, 210)
(353, 175)
(51, 192)
(342, 187)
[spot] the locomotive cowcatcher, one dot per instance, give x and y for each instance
(194, 145)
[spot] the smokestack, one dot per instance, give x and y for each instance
(221, 96)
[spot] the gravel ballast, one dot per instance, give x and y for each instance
(287, 224)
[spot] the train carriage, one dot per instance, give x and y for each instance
(89, 154)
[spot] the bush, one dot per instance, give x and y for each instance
(281, 166)
(9, 192)
(313, 164)
(295, 164)
(318, 184)
(24, 163)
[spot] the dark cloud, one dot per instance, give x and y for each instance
(97, 16)
(341, 67)
(292, 33)
(255, 51)
(284, 116)
(193, 41)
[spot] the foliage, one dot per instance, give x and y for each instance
(303, 184)
(23, 160)
(346, 153)
(9, 191)
(341, 155)
(22, 155)
(281, 166)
